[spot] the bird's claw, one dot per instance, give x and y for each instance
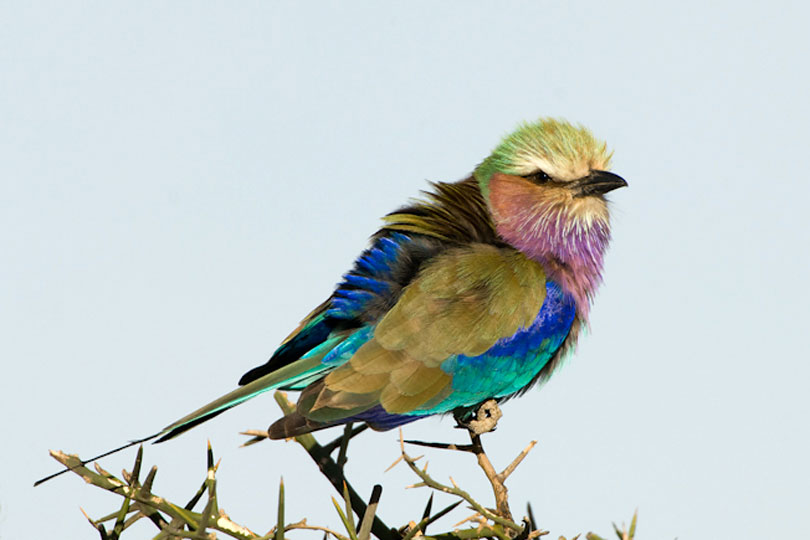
(482, 419)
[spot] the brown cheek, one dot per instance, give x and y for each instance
(511, 194)
(508, 193)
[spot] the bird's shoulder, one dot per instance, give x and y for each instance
(450, 217)
(454, 212)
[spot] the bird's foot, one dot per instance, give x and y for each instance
(476, 420)
(482, 419)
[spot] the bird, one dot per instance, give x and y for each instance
(475, 291)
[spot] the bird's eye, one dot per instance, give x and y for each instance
(538, 177)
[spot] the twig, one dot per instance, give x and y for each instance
(498, 487)
(489, 410)
(147, 501)
(427, 480)
(344, 445)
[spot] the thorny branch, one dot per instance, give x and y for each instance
(427, 480)
(176, 521)
(488, 412)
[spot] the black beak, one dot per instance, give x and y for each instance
(598, 183)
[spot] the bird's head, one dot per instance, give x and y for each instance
(545, 186)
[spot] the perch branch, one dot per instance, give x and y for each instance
(427, 480)
(488, 413)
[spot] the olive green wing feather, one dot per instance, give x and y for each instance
(461, 303)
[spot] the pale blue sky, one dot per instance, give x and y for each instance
(181, 182)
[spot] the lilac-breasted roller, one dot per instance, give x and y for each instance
(475, 292)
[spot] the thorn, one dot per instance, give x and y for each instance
(393, 464)
(367, 519)
(150, 477)
(466, 519)
(532, 521)
(512, 466)
(428, 507)
(85, 515)
(444, 446)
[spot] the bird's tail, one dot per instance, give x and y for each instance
(105, 454)
(282, 377)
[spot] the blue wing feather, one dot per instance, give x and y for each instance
(375, 278)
